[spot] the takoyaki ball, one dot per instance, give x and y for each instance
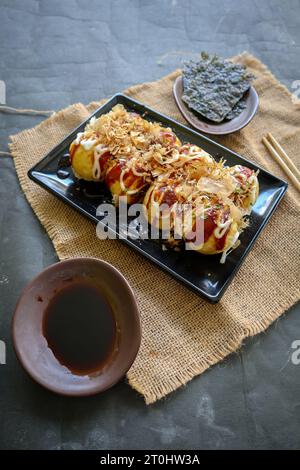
(247, 188)
(89, 159)
(168, 139)
(193, 151)
(197, 162)
(144, 133)
(158, 202)
(122, 181)
(219, 230)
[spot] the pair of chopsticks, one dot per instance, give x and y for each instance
(282, 159)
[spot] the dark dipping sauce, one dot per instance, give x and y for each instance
(80, 328)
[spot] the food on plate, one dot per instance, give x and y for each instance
(247, 187)
(123, 180)
(124, 150)
(89, 158)
(178, 182)
(201, 201)
(215, 88)
(201, 207)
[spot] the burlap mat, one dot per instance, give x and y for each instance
(182, 334)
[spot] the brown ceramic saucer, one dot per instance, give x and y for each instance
(209, 127)
(31, 346)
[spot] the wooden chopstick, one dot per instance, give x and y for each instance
(283, 155)
(281, 162)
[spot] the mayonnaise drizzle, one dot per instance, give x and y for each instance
(88, 144)
(78, 138)
(92, 120)
(98, 152)
(221, 229)
(123, 187)
(229, 249)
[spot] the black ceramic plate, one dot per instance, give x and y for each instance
(204, 274)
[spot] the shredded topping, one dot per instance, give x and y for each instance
(153, 157)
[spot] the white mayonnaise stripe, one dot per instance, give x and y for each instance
(123, 187)
(98, 152)
(226, 252)
(221, 229)
(88, 144)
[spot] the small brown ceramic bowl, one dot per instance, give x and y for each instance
(209, 127)
(31, 346)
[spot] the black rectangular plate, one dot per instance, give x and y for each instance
(204, 274)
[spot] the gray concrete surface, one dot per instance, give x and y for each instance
(53, 53)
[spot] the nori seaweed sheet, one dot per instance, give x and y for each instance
(237, 109)
(213, 86)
